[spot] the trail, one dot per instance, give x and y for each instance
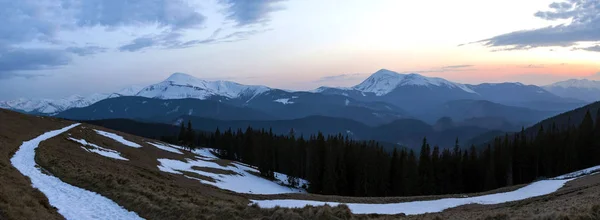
(539, 188)
(72, 202)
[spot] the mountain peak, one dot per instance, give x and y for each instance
(384, 81)
(181, 77)
(577, 83)
(385, 72)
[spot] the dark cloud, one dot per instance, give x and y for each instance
(584, 27)
(25, 21)
(87, 50)
(13, 61)
(177, 14)
(245, 12)
(341, 77)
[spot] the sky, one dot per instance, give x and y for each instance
(57, 48)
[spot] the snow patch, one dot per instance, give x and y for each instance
(347, 102)
(535, 189)
(165, 148)
(117, 138)
(176, 109)
(99, 150)
(72, 202)
(242, 181)
(284, 101)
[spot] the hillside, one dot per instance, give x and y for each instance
(154, 180)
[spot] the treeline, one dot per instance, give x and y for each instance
(337, 165)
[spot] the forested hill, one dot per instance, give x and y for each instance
(570, 118)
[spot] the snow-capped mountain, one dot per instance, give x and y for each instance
(416, 93)
(51, 107)
(385, 81)
(181, 85)
(412, 91)
(585, 89)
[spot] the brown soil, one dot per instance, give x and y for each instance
(139, 186)
(214, 170)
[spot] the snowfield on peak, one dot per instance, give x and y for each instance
(576, 83)
(72, 202)
(385, 81)
(180, 85)
(51, 107)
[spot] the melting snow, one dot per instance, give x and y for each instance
(284, 101)
(99, 150)
(165, 148)
(535, 189)
(117, 138)
(72, 202)
(176, 109)
(243, 181)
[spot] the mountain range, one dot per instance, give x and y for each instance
(584, 89)
(383, 98)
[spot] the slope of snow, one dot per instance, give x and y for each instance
(99, 150)
(165, 147)
(72, 202)
(579, 173)
(117, 138)
(180, 85)
(535, 189)
(576, 83)
(384, 81)
(243, 181)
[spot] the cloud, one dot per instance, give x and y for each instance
(342, 77)
(138, 44)
(592, 48)
(452, 68)
(456, 66)
(24, 22)
(583, 27)
(214, 38)
(245, 12)
(87, 50)
(532, 66)
(176, 14)
(15, 60)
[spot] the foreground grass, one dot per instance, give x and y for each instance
(18, 199)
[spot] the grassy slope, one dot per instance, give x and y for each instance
(18, 199)
(139, 186)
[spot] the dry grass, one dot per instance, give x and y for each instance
(18, 199)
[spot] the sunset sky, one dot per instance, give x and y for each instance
(56, 48)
